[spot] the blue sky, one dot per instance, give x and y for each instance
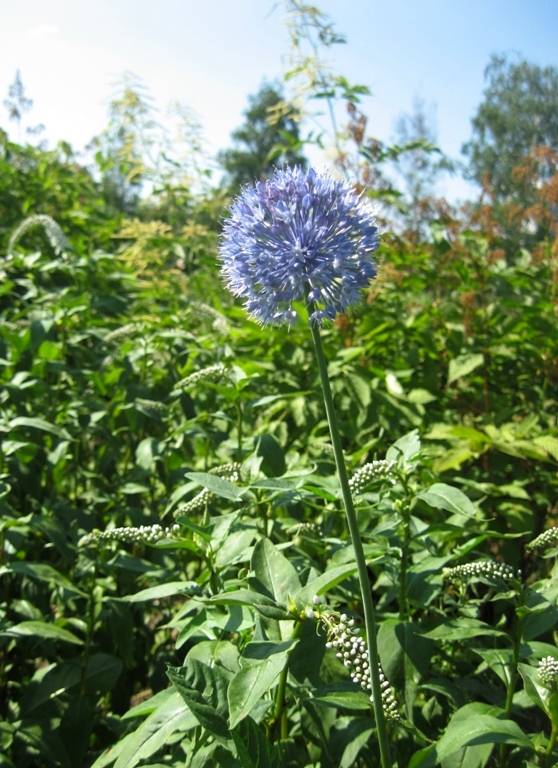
(212, 54)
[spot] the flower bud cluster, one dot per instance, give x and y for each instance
(212, 373)
(548, 672)
(122, 332)
(144, 534)
(220, 322)
(486, 568)
(351, 649)
(177, 333)
(194, 505)
(151, 405)
(53, 231)
(310, 528)
(546, 539)
(229, 471)
(367, 474)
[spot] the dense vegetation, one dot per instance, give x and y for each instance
(168, 499)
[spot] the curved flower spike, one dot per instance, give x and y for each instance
(300, 235)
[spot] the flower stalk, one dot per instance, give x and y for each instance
(365, 588)
(303, 236)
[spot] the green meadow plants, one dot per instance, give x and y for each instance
(325, 542)
(266, 603)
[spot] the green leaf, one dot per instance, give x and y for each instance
(549, 444)
(263, 663)
(76, 727)
(217, 485)
(463, 365)
(253, 747)
(273, 457)
(407, 447)
(170, 719)
(275, 572)
(40, 424)
(348, 737)
(169, 589)
(279, 484)
(442, 496)
(41, 572)
(341, 695)
(130, 489)
(538, 693)
(261, 603)
(41, 629)
(461, 629)
(204, 689)
(203, 531)
(323, 584)
(468, 726)
(100, 676)
(236, 547)
(147, 452)
(403, 650)
(393, 386)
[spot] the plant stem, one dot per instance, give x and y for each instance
(513, 680)
(279, 709)
(551, 744)
(354, 531)
(239, 431)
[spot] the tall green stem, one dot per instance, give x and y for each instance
(279, 715)
(551, 744)
(354, 531)
(512, 681)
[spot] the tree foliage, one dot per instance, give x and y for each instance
(519, 113)
(18, 104)
(268, 139)
(419, 167)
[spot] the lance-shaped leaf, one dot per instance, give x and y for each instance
(323, 584)
(41, 629)
(261, 603)
(253, 747)
(204, 689)
(263, 662)
(217, 485)
(275, 572)
(442, 496)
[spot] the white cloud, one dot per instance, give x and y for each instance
(44, 32)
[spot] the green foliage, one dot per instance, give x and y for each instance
(517, 114)
(123, 399)
(53, 183)
(177, 583)
(268, 139)
(514, 148)
(419, 168)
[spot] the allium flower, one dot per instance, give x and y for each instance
(300, 235)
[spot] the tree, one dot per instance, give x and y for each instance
(17, 105)
(268, 139)
(419, 165)
(519, 114)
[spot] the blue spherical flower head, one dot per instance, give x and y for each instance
(299, 235)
